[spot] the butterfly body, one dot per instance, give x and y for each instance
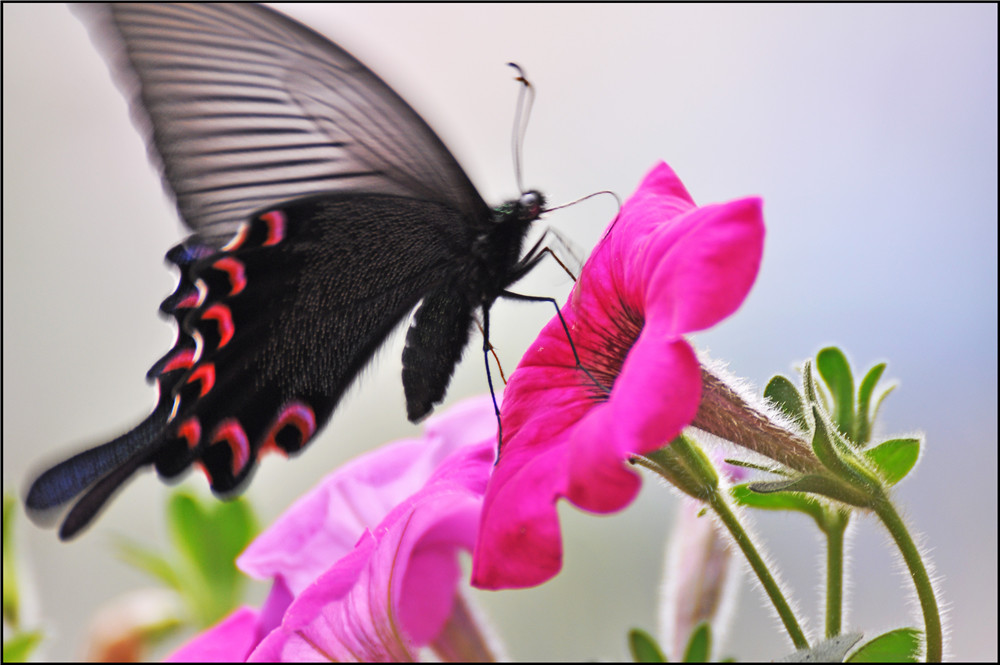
(361, 215)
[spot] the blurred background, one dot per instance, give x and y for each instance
(870, 132)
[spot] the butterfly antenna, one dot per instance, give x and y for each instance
(525, 99)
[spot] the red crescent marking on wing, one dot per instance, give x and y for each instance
(183, 359)
(190, 431)
(221, 314)
(206, 374)
(230, 431)
(299, 416)
(236, 271)
(188, 301)
(276, 221)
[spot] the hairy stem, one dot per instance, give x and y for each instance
(759, 567)
(921, 580)
(835, 576)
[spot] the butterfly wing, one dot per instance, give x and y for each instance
(324, 209)
(244, 108)
(272, 330)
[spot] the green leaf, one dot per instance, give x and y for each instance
(644, 648)
(209, 538)
(772, 486)
(774, 497)
(822, 445)
(816, 484)
(794, 495)
(863, 425)
(699, 646)
(786, 397)
(894, 458)
(186, 521)
(11, 595)
(832, 365)
(19, 647)
(808, 386)
(902, 645)
(149, 561)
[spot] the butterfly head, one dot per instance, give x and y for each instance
(529, 206)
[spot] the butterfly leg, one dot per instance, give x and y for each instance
(576, 356)
(538, 251)
(489, 378)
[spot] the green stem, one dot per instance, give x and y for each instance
(722, 509)
(835, 575)
(921, 580)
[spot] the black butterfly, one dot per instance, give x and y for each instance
(324, 209)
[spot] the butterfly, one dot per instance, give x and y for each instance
(323, 210)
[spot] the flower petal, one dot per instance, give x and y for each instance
(230, 640)
(656, 396)
(710, 259)
(395, 591)
(519, 544)
(336, 618)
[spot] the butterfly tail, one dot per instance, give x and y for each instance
(95, 473)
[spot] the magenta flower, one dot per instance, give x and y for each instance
(365, 566)
(664, 268)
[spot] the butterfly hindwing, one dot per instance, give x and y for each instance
(289, 320)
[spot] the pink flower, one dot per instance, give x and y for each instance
(664, 268)
(365, 566)
(230, 640)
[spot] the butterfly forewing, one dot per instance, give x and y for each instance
(244, 109)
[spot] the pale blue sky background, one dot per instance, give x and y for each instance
(870, 132)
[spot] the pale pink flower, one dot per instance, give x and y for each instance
(365, 566)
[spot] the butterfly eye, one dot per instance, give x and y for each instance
(529, 206)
